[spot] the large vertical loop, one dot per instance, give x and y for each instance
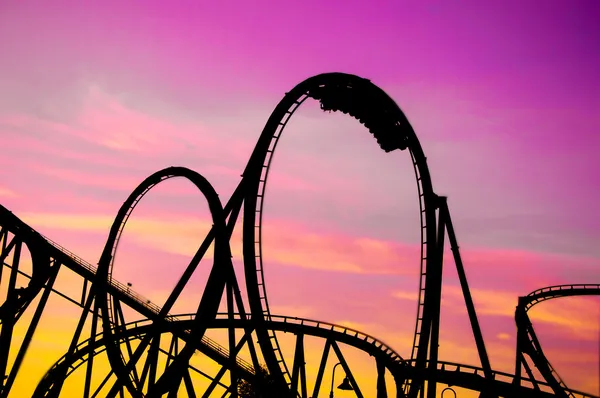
(212, 296)
(255, 175)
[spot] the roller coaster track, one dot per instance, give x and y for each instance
(117, 289)
(472, 377)
(527, 341)
(294, 325)
(133, 347)
(366, 102)
(551, 292)
(296, 99)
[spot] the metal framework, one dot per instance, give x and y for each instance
(155, 355)
(527, 341)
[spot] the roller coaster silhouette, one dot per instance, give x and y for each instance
(141, 367)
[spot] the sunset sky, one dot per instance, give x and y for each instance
(504, 97)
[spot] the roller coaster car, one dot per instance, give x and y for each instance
(367, 109)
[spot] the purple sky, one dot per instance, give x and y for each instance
(504, 96)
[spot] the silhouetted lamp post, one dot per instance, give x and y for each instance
(345, 384)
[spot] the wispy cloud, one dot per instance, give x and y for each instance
(7, 193)
(289, 244)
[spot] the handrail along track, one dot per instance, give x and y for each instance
(140, 300)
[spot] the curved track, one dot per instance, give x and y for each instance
(103, 297)
(384, 119)
(308, 327)
(552, 292)
(16, 236)
(214, 288)
(471, 377)
(527, 341)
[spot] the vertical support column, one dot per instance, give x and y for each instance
(189, 385)
(483, 356)
(436, 297)
(298, 367)
(90, 362)
(175, 384)
(315, 393)
(120, 327)
(8, 323)
(399, 382)
(31, 330)
(381, 387)
(303, 385)
(84, 291)
(349, 374)
(153, 358)
(231, 332)
(518, 351)
(3, 243)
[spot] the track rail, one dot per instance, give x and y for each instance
(283, 323)
(504, 379)
(527, 341)
(87, 270)
(422, 259)
(369, 104)
(118, 288)
(466, 376)
(114, 285)
(551, 292)
(364, 101)
(258, 242)
(135, 330)
(118, 239)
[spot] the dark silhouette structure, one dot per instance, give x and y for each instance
(133, 349)
(248, 389)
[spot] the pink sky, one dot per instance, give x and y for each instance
(503, 96)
